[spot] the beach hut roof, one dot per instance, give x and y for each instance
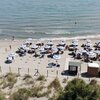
(74, 63)
(93, 65)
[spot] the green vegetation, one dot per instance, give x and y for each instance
(2, 96)
(41, 78)
(9, 80)
(55, 84)
(21, 94)
(77, 89)
(64, 80)
(27, 77)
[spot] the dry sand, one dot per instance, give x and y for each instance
(31, 63)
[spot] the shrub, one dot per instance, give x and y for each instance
(27, 76)
(41, 78)
(55, 84)
(21, 94)
(93, 82)
(10, 80)
(64, 80)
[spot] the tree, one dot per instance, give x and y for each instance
(77, 89)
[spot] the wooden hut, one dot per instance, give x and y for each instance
(93, 69)
(74, 67)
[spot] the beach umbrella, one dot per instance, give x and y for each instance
(56, 56)
(12, 55)
(91, 54)
(22, 46)
(9, 58)
(47, 47)
(26, 48)
(98, 45)
(39, 41)
(54, 50)
(88, 41)
(62, 43)
(75, 40)
(97, 52)
(74, 43)
(34, 46)
(27, 42)
(50, 43)
(61, 48)
(88, 44)
(41, 49)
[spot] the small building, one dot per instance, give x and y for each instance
(93, 69)
(74, 67)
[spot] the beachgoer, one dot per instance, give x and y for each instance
(13, 38)
(10, 47)
(5, 49)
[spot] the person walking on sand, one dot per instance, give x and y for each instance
(10, 47)
(13, 38)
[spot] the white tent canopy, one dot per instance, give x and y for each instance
(93, 65)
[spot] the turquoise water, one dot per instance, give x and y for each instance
(49, 18)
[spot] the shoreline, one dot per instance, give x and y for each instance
(80, 37)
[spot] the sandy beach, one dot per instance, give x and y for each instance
(29, 64)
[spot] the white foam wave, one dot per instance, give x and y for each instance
(59, 32)
(71, 38)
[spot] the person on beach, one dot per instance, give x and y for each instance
(5, 49)
(10, 47)
(13, 38)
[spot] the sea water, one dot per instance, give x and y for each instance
(49, 18)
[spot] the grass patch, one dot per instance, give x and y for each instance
(41, 78)
(64, 80)
(9, 80)
(27, 76)
(55, 84)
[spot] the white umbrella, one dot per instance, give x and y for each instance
(56, 57)
(47, 47)
(62, 43)
(61, 48)
(54, 49)
(97, 51)
(39, 41)
(88, 41)
(9, 58)
(75, 43)
(41, 49)
(50, 43)
(88, 44)
(92, 54)
(23, 46)
(26, 42)
(34, 46)
(12, 55)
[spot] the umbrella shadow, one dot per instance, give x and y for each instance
(65, 72)
(50, 65)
